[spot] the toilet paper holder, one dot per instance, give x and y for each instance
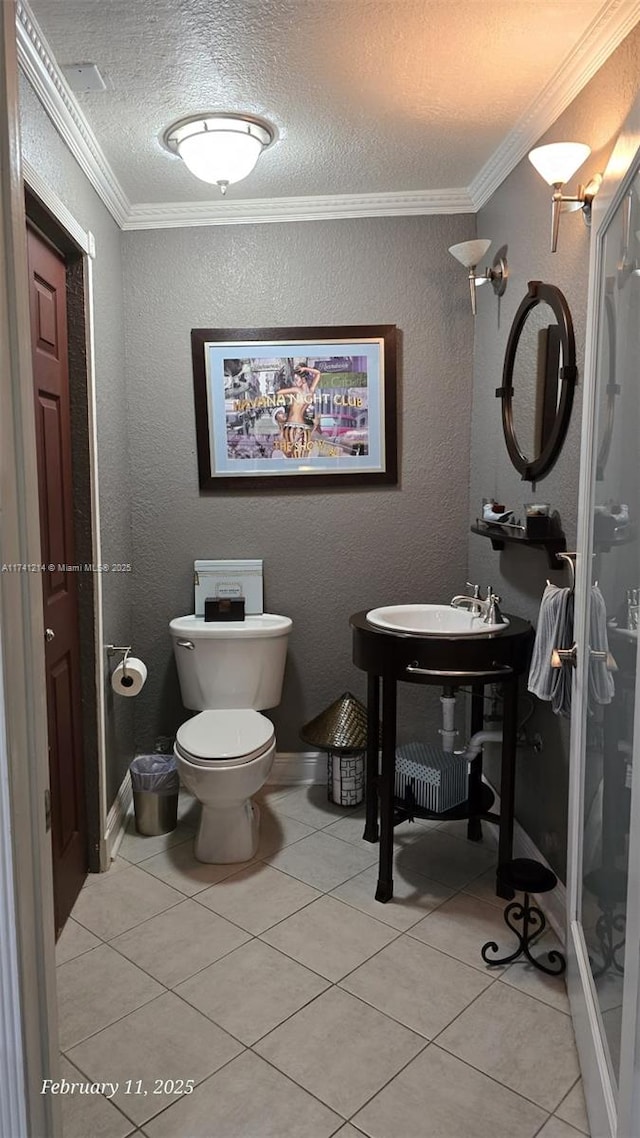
(112, 649)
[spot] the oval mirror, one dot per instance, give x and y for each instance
(538, 380)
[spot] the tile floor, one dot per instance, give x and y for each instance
(298, 1005)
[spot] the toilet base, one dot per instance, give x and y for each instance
(228, 834)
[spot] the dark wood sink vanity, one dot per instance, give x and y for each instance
(389, 658)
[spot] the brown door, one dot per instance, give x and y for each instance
(47, 277)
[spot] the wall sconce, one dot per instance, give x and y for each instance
(220, 148)
(468, 253)
(556, 163)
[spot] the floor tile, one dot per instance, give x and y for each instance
(573, 1109)
(446, 859)
(340, 1050)
(555, 1128)
(248, 1099)
(461, 926)
(519, 1041)
(252, 990)
(321, 861)
(135, 847)
(258, 897)
(176, 944)
(89, 1114)
(350, 829)
(348, 1131)
(422, 988)
(73, 941)
(309, 804)
(456, 1100)
(484, 887)
(413, 896)
(179, 868)
(330, 937)
(278, 831)
(521, 974)
(122, 901)
(458, 829)
(164, 1040)
(95, 990)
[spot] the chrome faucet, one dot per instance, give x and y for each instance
(492, 613)
(488, 608)
(474, 604)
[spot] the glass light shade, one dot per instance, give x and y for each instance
(219, 148)
(220, 155)
(468, 253)
(558, 161)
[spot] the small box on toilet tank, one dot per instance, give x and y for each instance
(224, 608)
(229, 580)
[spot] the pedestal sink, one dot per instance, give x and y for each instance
(431, 620)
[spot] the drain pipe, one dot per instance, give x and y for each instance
(448, 729)
(477, 741)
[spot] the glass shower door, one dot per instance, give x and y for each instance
(604, 892)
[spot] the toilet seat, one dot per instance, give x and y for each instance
(224, 738)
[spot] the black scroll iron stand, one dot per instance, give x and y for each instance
(527, 876)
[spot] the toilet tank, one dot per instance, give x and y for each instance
(229, 664)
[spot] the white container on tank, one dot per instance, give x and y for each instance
(231, 664)
(229, 579)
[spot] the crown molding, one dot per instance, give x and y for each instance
(41, 69)
(601, 38)
(257, 211)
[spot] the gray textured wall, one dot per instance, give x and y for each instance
(44, 149)
(326, 553)
(518, 216)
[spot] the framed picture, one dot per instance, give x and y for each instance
(295, 406)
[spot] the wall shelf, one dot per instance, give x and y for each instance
(499, 536)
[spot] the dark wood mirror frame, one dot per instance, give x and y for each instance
(532, 469)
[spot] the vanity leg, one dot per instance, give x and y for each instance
(384, 891)
(371, 776)
(507, 782)
(474, 825)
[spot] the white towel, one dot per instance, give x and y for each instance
(601, 685)
(555, 630)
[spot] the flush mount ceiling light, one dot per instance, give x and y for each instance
(219, 148)
(468, 253)
(556, 163)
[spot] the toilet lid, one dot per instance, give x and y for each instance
(219, 736)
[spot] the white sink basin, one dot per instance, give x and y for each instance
(431, 620)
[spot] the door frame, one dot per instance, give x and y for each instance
(29, 1050)
(64, 224)
(28, 1027)
(609, 1113)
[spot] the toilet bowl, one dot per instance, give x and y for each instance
(223, 758)
(229, 672)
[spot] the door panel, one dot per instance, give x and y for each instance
(47, 275)
(604, 821)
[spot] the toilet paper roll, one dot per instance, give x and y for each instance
(130, 681)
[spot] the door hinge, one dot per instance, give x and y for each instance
(47, 810)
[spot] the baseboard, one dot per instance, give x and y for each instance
(298, 768)
(116, 822)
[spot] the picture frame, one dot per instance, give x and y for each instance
(291, 407)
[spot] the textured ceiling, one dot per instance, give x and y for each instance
(367, 96)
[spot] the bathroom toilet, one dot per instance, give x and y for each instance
(229, 672)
